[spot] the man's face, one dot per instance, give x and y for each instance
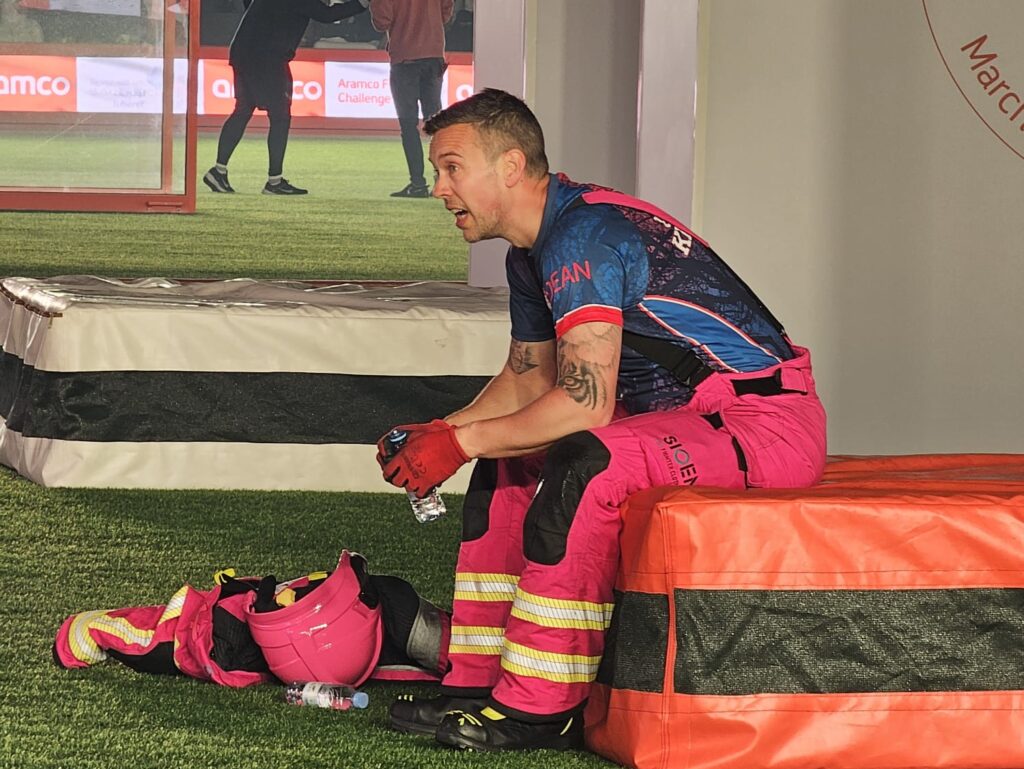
(467, 182)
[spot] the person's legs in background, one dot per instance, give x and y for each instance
(405, 91)
(231, 133)
(277, 142)
(279, 115)
(258, 85)
(431, 79)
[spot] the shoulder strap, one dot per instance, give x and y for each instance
(684, 364)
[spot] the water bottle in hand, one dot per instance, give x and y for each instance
(431, 507)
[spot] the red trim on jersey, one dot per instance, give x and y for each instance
(588, 313)
(622, 199)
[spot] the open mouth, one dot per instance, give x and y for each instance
(460, 214)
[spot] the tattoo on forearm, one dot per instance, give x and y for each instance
(521, 357)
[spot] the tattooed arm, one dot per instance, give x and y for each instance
(528, 373)
(581, 395)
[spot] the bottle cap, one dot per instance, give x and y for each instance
(360, 699)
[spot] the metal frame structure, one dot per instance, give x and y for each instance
(157, 200)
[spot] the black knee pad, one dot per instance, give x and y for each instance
(476, 508)
(570, 465)
(413, 626)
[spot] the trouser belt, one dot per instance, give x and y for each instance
(686, 366)
(764, 385)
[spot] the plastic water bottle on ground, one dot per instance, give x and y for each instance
(431, 507)
(320, 695)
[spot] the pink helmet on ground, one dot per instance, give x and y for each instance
(329, 635)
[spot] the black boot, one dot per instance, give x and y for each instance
(422, 715)
(487, 729)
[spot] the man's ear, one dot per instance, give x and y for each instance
(513, 166)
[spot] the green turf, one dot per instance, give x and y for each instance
(67, 550)
(63, 158)
(346, 228)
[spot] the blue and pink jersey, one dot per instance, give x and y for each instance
(639, 269)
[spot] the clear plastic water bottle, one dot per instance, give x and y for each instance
(431, 507)
(428, 509)
(320, 695)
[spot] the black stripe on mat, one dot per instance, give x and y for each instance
(221, 406)
(636, 643)
(735, 642)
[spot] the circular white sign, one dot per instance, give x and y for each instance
(982, 47)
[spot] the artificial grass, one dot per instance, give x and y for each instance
(347, 228)
(68, 550)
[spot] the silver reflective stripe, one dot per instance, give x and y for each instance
(485, 587)
(564, 613)
(549, 665)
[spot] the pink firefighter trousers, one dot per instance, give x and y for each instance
(537, 565)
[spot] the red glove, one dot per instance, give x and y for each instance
(392, 441)
(430, 455)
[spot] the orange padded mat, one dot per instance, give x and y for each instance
(875, 621)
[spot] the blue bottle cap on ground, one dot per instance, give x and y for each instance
(360, 699)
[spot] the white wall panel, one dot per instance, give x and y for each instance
(846, 176)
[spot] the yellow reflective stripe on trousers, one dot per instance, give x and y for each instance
(87, 650)
(174, 606)
(471, 586)
(121, 628)
(81, 643)
(550, 666)
(476, 639)
(560, 613)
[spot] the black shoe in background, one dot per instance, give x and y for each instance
(422, 715)
(487, 729)
(412, 191)
(217, 180)
(283, 188)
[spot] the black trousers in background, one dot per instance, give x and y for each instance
(416, 87)
(260, 84)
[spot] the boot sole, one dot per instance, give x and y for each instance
(215, 187)
(555, 742)
(413, 727)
